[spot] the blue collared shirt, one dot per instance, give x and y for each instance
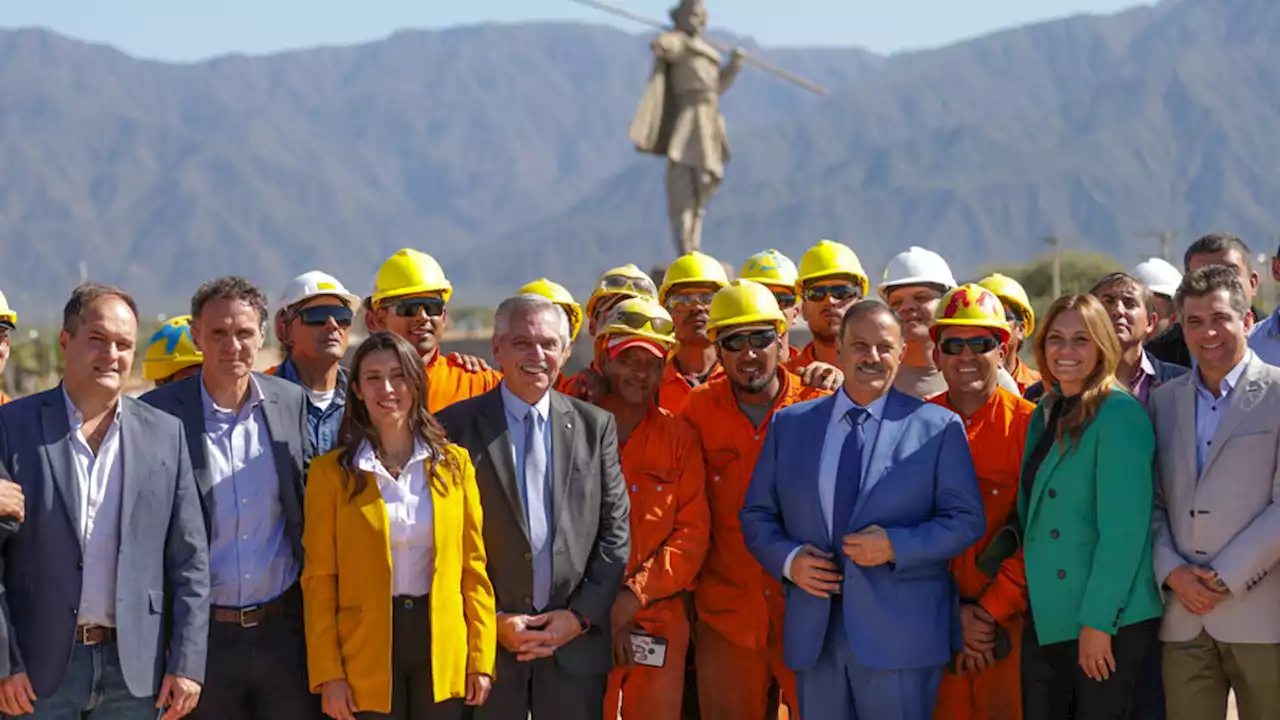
(323, 423)
(1264, 339)
(516, 409)
(251, 560)
(1209, 409)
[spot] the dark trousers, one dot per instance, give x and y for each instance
(412, 696)
(259, 673)
(1148, 699)
(542, 690)
(1055, 688)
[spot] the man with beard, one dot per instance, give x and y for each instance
(670, 521)
(687, 288)
(313, 323)
(970, 333)
(866, 495)
(410, 298)
(775, 271)
(830, 281)
(739, 606)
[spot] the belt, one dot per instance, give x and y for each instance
(95, 634)
(252, 616)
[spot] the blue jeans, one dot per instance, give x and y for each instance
(94, 689)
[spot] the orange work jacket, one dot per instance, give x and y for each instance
(734, 594)
(4, 398)
(997, 437)
(670, 519)
(673, 394)
(1024, 376)
(449, 382)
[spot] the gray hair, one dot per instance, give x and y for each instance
(525, 305)
(1211, 279)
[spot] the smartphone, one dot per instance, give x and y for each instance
(648, 650)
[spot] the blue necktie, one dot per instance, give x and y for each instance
(535, 487)
(848, 477)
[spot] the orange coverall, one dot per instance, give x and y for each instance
(1024, 376)
(448, 383)
(997, 437)
(673, 394)
(670, 531)
(740, 605)
(4, 398)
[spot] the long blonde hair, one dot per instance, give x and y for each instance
(1100, 382)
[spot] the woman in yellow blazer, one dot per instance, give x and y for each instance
(399, 609)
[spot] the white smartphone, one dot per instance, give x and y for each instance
(648, 650)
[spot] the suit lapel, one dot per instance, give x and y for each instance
(493, 420)
(1248, 391)
(1050, 463)
(1184, 408)
(887, 438)
(277, 424)
(564, 432)
(58, 452)
(193, 426)
(808, 465)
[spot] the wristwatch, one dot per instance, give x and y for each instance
(582, 620)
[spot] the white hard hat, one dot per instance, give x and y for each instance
(1159, 275)
(315, 284)
(917, 266)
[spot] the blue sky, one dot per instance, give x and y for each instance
(177, 30)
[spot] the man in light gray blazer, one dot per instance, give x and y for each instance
(106, 580)
(1216, 524)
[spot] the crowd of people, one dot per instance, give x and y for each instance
(901, 519)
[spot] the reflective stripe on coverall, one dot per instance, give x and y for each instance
(997, 436)
(740, 606)
(670, 531)
(449, 382)
(673, 394)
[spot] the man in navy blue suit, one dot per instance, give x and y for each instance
(858, 502)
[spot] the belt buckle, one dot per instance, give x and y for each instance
(82, 632)
(244, 613)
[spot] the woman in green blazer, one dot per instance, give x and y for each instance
(1085, 507)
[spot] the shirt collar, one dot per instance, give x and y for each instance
(518, 408)
(844, 404)
(367, 460)
(1229, 382)
(1145, 364)
(75, 416)
(289, 371)
(211, 408)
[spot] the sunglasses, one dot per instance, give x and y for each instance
(687, 299)
(1011, 317)
(412, 307)
(320, 315)
(979, 345)
(785, 300)
(638, 321)
(622, 283)
(839, 293)
(758, 340)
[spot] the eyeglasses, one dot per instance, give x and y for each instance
(758, 340)
(411, 307)
(979, 345)
(785, 300)
(689, 298)
(319, 315)
(623, 283)
(839, 293)
(638, 321)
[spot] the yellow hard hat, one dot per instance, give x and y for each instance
(827, 259)
(410, 272)
(744, 302)
(771, 269)
(627, 280)
(695, 267)
(638, 317)
(1010, 292)
(557, 294)
(6, 312)
(170, 349)
(970, 306)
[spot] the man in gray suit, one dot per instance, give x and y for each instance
(249, 442)
(556, 521)
(1216, 524)
(106, 581)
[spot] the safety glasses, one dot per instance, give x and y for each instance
(979, 345)
(319, 315)
(412, 307)
(786, 300)
(623, 283)
(839, 293)
(640, 321)
(688, 299)
(1011, 317)
(758, 340)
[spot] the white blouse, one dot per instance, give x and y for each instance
(410, 517)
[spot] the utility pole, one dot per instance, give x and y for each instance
(1166, 238)
(1057, 265)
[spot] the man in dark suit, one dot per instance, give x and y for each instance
(556, 521)
(248, 437)
(106, 581)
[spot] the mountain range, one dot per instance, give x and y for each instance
(502, 150)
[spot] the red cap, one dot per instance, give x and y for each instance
(618, 344)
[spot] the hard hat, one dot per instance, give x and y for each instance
(1157, 274)
(6, 312)
(827, 259)
(315, 284)
(410, 272)
(170, 349)
(557, 294)
(916, 266)
(771, 269)
(638, 317)
(1010, 292)
(692, 268)
(628, 280)
(744, 302)
(970, 306)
